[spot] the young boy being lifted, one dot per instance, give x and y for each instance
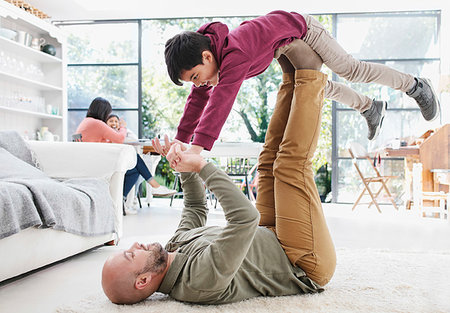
(217, 61)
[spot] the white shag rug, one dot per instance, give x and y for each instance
(365, 281)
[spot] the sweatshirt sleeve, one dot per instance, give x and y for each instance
(206, 123)
(193, 110)
(234, 69)
(227, 251)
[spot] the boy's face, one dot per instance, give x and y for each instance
(206, 74)
(113, 122)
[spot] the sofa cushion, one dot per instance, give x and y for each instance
(14, 143)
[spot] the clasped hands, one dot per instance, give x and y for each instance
(179, 156)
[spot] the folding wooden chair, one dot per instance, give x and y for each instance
(356, 151)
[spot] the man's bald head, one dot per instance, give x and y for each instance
(118, 284)
(128, 276)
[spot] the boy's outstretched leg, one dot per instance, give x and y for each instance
(300, 223)
(354, 70)
(372, 110)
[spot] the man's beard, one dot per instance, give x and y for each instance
(157, 259)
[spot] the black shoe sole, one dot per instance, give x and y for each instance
(438, 108)
(383, 113)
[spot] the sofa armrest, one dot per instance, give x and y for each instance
(88, 159)
(83, 159)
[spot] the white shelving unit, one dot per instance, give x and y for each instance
(25, 82)
(32, 83)
(31, 113)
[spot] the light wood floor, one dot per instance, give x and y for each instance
(79, 276)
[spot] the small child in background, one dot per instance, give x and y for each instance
(113, 121)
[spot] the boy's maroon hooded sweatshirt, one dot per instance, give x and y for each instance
(243, 53)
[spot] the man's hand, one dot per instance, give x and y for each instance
(164, 150)
(183, 161)
(195, 149)
(173, 158)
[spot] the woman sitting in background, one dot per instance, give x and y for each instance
(94, 129)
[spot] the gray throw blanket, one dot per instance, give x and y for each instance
(30, 198)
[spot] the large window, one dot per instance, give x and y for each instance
(123, 61)
(104, 61)
(137, 84)
(408, 42)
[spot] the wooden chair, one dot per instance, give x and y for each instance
(177, 186)
(238, 169)
(252, 181)
(356, 151)
(439, 199)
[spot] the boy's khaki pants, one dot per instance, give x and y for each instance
(344, 65)
(287, 198)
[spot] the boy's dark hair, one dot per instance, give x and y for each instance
(99, 109)
(183, 52)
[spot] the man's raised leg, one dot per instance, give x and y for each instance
(265, 202)
(300, 223)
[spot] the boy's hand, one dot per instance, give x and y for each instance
(183, 161)
(122, 123)
(195, 149)
(164, 150)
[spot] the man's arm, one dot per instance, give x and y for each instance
(224, 255)
(195, 210)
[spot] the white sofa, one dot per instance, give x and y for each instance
(33, 248)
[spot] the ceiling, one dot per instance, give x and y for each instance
(69, 10)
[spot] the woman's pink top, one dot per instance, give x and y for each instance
(93, 130)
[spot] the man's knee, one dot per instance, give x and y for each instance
(302, 56)
(319, 268)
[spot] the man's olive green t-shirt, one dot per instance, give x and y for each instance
(227, 264)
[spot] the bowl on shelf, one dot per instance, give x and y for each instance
(50, 49)
(8, 33)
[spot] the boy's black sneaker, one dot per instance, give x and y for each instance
(426, 98)
(374, 117)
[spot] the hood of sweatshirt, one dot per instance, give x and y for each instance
(218, 33)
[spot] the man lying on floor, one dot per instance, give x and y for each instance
(291, 252)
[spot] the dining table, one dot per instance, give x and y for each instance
(220, 149)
